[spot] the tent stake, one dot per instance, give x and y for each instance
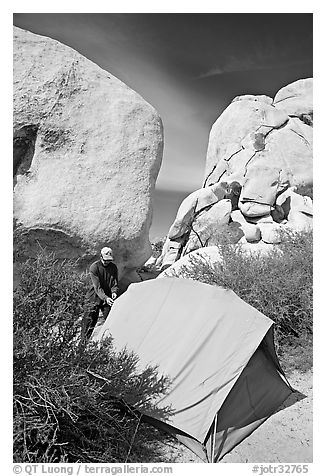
(214, 438)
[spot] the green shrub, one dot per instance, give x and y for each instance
(305, 190)
(157, 246)
(71, 402)
(296, 353)
(278, 284)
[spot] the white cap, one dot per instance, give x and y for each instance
(107, 253)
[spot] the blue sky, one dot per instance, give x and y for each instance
(189, 67)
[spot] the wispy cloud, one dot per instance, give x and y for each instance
(266, 55)
(237, 65)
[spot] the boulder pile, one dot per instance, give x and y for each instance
(259, 164)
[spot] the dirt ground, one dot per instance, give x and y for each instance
(286, 437)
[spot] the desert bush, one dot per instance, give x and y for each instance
(305, 190)
(279, 284)
(157, 246)
(74, 402)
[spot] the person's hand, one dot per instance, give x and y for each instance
(114, 295)
(109, 301)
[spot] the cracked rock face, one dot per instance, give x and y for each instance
(197, 201)
(264, 146)
(208, 224)
(87, 152)
(259, 131)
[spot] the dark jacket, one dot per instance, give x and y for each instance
(104, 282)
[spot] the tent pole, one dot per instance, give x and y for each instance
(214, 438)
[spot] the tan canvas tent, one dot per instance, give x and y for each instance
(218, 352)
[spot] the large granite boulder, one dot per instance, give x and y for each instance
(264, 148)
(202, 218)
(209, 257)
(259, 131)
(87, 152)
(296, 99)
(198, 201)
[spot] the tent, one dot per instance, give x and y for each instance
(218, 352)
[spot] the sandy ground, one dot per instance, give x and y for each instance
(286, 437)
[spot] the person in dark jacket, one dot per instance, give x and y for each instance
(103, 291)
